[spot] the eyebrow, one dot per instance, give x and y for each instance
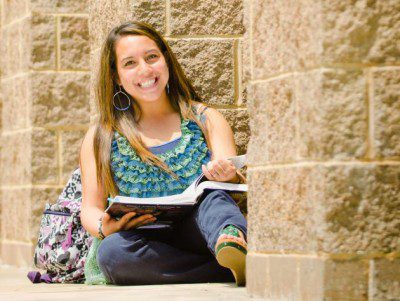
(150, 50)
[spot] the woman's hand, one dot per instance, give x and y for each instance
(221, 170)
(126, 222)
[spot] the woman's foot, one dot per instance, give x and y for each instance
(231, 250)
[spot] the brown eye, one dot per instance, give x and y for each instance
(152, 57)
(128, 63)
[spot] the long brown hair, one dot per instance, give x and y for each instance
(181, 96)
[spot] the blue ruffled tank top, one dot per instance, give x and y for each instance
(184, 156)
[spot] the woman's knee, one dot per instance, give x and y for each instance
(111, 255)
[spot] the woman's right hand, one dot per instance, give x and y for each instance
(126, 222)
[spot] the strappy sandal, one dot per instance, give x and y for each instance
(231, 250)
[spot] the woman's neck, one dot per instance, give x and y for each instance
(155, 111)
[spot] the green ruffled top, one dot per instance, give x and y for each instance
(135, 178)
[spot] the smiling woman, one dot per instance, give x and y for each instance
(153, 138)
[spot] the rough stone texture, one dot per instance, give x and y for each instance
(11, 52)
(43, 41)
(333, 114)
(189, 17)
(209, 64)
(273, 122)
(281, 210)
(16, 160)
(60, 99)
(334, 209)
(74, 43)
(149, 11)
(105, 15)
(14, 10)
(285, 36)
(60, 6)
(95, 63)
(361, 31)
(70, 148)
(239, 122)
(386, 99)
(16, 102)
(386, 279)
(39, 197)
(17, 206)
(44, 157)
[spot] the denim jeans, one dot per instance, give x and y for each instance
(181, 254)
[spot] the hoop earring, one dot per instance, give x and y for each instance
(119, 100)
(167, 88)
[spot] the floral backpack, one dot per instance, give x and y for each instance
(63, 243)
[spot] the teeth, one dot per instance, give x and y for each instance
(148, 83)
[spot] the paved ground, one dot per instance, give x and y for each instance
(15, 286)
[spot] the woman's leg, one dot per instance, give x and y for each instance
(215, 212)
(145, 257)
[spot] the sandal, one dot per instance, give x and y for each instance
(231, 250)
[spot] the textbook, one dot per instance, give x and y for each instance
(168, 209)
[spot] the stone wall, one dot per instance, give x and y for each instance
(324, 156)
(45, 102)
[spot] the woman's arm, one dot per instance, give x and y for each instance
(93, 203)
(222, 144)
(92, 194)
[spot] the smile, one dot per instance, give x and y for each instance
(149, 83)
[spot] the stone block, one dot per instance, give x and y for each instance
(386, 100)
(14, 10)
(308, 278)
(70, 149)
(25, 44)
(105, 15)
(360, 31)
(70, 6)
(257, 275)
(286, 36)
(333, 114)
(281, 210)
(45, 168)
(10, 50)
(346, 280)
(16, 102)
(190, 17)
(39, 197)
(239, 121)
(209, 64)
(16, 253)
(60, 99)
(149, 11)
(95, 62)
(385, 280)
(74, 43)
(16, 214)
(16, 160)
(333, 209)
(43, 30)
(273, 122)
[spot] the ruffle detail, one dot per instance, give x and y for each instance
(138, 179)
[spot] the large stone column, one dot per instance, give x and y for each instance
(324, 174)
(45, 93)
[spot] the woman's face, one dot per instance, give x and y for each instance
(141, 67)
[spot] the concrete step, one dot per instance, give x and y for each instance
(15, 286)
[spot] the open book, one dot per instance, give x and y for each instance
(171, 208)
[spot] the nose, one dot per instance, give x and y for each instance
(144, 68)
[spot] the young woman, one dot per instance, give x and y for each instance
(153, 138)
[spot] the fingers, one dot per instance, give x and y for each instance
(219, 170)
(139, 221)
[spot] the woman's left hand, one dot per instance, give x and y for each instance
(221, 170)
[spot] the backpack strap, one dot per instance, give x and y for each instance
(36, 277)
